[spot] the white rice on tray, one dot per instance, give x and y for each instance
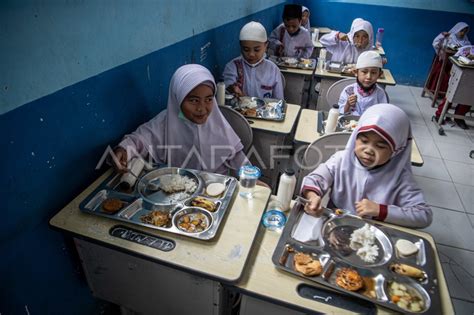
(172, 183)
(362, 241)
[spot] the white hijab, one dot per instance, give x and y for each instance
(453, 38)
(386, 184)
(187, 135)
(362, 25)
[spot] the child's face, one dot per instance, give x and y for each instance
(462, 32)
(305, 17)
(197, 105)
(371, 149)
(361, 39)
(292, 25)
(368, 76)
(252, 51)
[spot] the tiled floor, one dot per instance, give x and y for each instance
(447, 179)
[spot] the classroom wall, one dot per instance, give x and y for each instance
(75, 76)
(409, 28)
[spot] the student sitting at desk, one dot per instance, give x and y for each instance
(357, 97)
(290, 39)
(346, 48)
(251, 74)
(305, 18)
(190, 133)
(456, 37)
(468, 52)
(372, 177)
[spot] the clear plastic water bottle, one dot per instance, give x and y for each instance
(379, 37)
(248, 176)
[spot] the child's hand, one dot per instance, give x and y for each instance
(237, 91)
(367, 208)
(120, 159)
(313, 207)
(343, 36)
(280, 50)
(352, 100)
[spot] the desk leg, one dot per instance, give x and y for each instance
(439, 123)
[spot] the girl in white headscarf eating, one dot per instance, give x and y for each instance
(372, 177)
(191, 132)
(346, 48)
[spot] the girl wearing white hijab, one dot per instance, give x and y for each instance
(346, 48)
(191, 132)
(455, 38)
(305, 18)
(372, 177)
(251, 74)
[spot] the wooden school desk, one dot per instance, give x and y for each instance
(268, 138)
(306, 133)
(144, 279)
(328, 78)
(268, 290)
(460, 90)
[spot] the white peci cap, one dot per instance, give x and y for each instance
(253, 31)
(369, 59)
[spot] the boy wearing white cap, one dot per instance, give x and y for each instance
(251, 74)
(357, 97)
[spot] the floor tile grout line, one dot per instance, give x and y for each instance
(462, 299)
(455, 247)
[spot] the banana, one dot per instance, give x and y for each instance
(407, 270)
(204, 203)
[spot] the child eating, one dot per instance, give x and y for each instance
(372, 177)
(358, 97)
(290, 39)
(251, 74)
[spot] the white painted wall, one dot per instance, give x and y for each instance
(49, 45)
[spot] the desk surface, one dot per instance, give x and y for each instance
(265, 280)
(308, 124)
(322, 29)
(222, 258)
(283, 127)
(387, 78)
(459, 64)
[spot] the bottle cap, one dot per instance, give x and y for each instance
(249, 171)
(380, 30)
(290, 171)
(336, 106)
(274, 220)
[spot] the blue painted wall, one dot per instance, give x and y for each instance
(51, 145)
(409, 32)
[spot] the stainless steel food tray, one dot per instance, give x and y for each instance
(137, 204)
(378, 273)
(261, 108)
(299, 64)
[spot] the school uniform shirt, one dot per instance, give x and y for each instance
(364, 99)
(261, 80)
(346, 51)
(390, 185)
(297, 45)
(452, 39)
(172, 139)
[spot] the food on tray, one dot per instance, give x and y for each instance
(158, 218)
(407, 270)
(291, 61)
(405, 297)
(349, 279)
(306, 265)
(338, 211)
(193, 222)
(305, 61)
(215, 189)
(172, 183)
(369, 287)
(112, 205)
(351, 125)
(339, 239)
(250, 112)
(406, 248)
(203, 203)
(362, 241)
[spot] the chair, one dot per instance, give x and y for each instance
(240, 125)
(334, 91)
(319, 151)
